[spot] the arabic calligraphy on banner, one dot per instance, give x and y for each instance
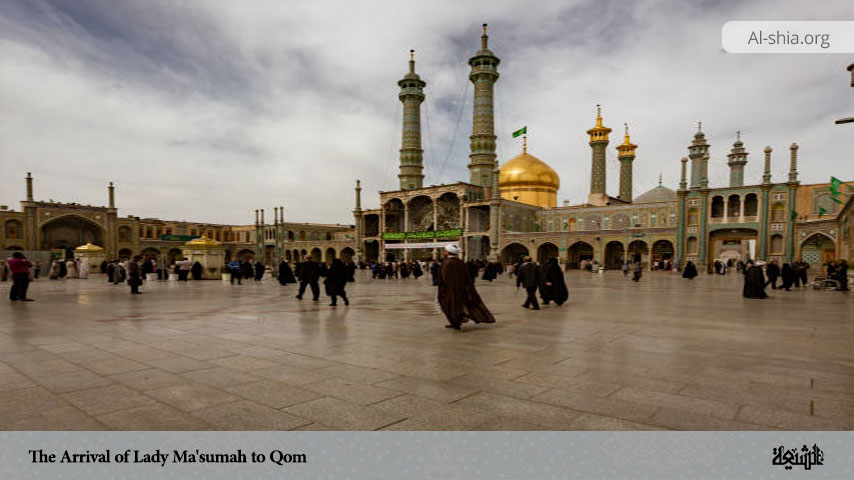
(416, 235)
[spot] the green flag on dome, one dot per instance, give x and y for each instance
(521, 131)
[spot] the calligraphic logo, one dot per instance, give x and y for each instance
(807, 457)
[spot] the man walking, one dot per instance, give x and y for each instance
(773, 272)
(638, 271)
(135, 275)
(456, 294)
(309, 273)
(234, 269)
(184, 266)
(531, 277)
(19, 267)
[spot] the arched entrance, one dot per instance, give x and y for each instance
(269, 252)
(577, 252)
(731, 243)
(638, 252)
(347, 254)
(288, 256)
(818, 249)
(245, 255)
(316, 254)
(69, 232)
(614, 255)
(546, 251)
(125, 253)
(513, 253)
(662, 250)
(330, 255)
(175, 254)
(372, 250)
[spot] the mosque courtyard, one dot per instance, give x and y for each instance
(666, 353)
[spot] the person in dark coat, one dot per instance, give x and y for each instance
(473, 268)
(246, 270)
(63, 269)
(435, 267)
(456, 293)
(754, 281)
(690, 270)
(788, 275)
(404, 270)
(531, 277)
(135, 275)
(842, 273)
(554, 288)
(802, 272)
(259, 271)
(196, 271)
(416, 270)
(335, 282)
(351, 271)
(285, 276)
(773, 272)
(309, 273)
(111, 271)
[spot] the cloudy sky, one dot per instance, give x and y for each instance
(206, 110)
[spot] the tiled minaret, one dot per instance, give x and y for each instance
(737, 159)
(598, 143)
(411, 155)
(626, 156)
(697, 152)
(484, 74)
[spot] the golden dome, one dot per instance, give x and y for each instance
(527, 179)
(527, 170)
(88, 248)
(203, 241)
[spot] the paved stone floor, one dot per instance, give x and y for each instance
(666, 353)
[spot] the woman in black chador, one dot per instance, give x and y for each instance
(286, 276)
(690, 270)
(754, 282)
(788, 274)
(336, 280)
(554, 288)
(196, 271)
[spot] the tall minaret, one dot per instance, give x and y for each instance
(29, 187)
(484, 74)
(737, 159)
(697, 152)
(411, 154)
(627, 156)
(111, 193)
(598, 143)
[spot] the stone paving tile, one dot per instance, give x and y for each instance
(190, 396)
(153, 416)
(247, 415)
(11, 380)
(357, 374)
(686, 420)
(96, 401)
(274, 394)
(623, 355)
(219, 377)
(791, 421)
(148, 379)
(427, 388)
(68, 382)
(352, 391)
(681, 402)
(343, 415)
(631, 411)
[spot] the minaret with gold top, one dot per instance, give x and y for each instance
(598, 143)
(627, 156)
(411, 155)
(484, 74)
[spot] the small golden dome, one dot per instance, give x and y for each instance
(88, 248)
(203, 241)
(527, 170)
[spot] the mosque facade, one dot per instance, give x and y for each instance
(502, 212)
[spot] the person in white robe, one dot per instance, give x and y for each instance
(84, 269)
(71, 266)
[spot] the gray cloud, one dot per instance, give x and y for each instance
(208, 110)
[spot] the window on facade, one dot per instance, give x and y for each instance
(718, 207)
(733, 208)
(751, 205)
(824, 205)
(693, 217)
(776, 244)
(14, 229)
(692, 245)
(124, 234)
(778, 212)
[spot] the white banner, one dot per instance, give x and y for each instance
(788, 37)
(406, 246)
